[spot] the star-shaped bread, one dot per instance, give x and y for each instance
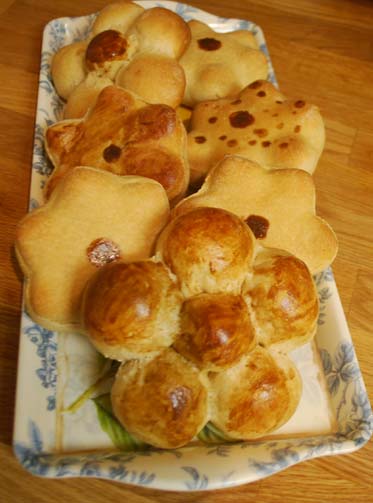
(278, 205)
(126, 136)
(260, 124)
(218, 65)
(136, 48)
(92, 218)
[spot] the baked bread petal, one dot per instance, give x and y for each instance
(126, 136)
(258, 123)
(209, 250)
(92, 217)
(162, 402)
(215, 330)
(255, 397)
(278, 205)
(131, 310)
(218, 65)
(124, 38)
(283, 296)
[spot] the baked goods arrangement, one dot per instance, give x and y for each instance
(200, 294)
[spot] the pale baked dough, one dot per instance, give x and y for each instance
(92, 217)
(218, 65)
(258, 123)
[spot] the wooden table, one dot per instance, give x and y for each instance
(322, 50)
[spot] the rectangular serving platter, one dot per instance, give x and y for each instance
(51, 440)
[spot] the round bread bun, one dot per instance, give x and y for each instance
(157, 79)
(131, 310)
(255, 397)
(209, 250)
(216, 330)
(68, 69)
(117, 16)
(162, 402)
(284, 299)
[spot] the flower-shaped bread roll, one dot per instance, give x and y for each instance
(126, 136)
(278, 205)
(135, 48)
(259, 123)
(92, 218)
(201, 328)
(219, 65)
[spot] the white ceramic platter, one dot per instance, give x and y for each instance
(334, 416)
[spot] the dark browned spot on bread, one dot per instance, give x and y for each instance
(106, 46)
(297, 129)
(299, 104)
(284, 144)
(261, 132)
(280, 125)
(236, 102)
(102, 251)
(259, 225)
(241, 119)
(199, 139)
(294, 112)
(279, 102)
(266, 143)
(275, 115)
(232, 143)
(209, 44)
(261, 94)
(255, 85)
(112, 153)
(212, 120)
(252, 142)
(223, 137)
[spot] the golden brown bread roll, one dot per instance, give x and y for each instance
(162, 402)
(131, 310)
(284, 299)
(92, 217)
(256, 396)
(209, 249)
(215, 330)
(126, 136)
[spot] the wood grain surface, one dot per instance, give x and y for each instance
(322, 50)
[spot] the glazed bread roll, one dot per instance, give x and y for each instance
(215, 330)
(162, 402)
(284, 299)
(210, 250)
(131, 310)
(255, 397)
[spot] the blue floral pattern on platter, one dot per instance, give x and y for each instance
(190, 468)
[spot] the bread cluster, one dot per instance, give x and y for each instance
(203, 330)
(201, 298)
